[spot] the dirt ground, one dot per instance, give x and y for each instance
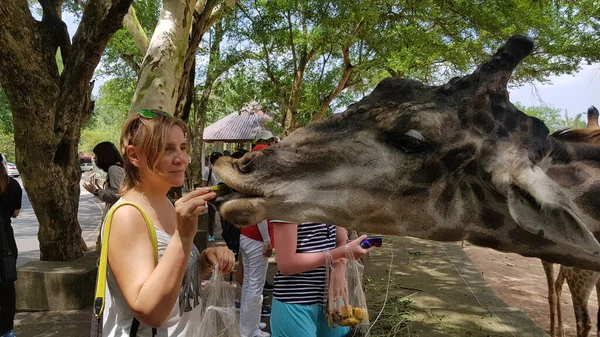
(432, 290)
(521, 283)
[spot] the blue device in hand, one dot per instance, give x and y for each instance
(375, 241)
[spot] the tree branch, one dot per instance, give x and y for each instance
(134, 27)
(100, 20)
(199, 27)
(131, 62)
(292, 45)
(343, 83)
(218, 11)
(270, 74)
(54, 30)
(21, 58)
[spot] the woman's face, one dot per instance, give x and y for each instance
(176, 159)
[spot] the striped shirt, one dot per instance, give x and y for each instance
(307, 287)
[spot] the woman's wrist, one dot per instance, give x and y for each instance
(205, 262)
(338, 253)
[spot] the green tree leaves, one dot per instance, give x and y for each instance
(553, 118)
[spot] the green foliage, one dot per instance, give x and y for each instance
(7, 146)
(122, 44)
(240, 86)
(6, 121)
(302, 41)
(109, 114)
(552, 117)
(91, 137)
(426, 40)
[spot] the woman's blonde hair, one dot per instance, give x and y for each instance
(148, 135)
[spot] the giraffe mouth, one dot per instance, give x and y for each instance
(248, 204)
(243, 210)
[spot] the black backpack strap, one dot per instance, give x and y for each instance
(209, 176)
(135, 324)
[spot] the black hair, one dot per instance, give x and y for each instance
(214, 156)
(3, 176)
(237, 154)
(107, 155)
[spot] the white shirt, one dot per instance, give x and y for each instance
(185, 317)
(214, 180)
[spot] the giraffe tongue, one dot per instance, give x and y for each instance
(244, 211)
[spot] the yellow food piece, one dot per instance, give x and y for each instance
(361, 313)
(347, 311)
(220, 189)
(336, 317)
(350, 321)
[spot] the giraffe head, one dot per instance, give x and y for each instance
(449, 162)
(592, 117)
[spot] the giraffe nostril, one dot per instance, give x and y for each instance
(247, 163)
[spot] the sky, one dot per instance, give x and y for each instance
(570, 93)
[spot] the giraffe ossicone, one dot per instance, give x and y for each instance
(451, 162)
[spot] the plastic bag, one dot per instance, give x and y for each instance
(346, 302)
(218, 316)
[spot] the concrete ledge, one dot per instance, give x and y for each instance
(49, 286)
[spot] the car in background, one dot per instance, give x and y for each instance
(11, 169)
(86, 167)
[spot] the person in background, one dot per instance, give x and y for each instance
(265, 138)
(10, 207)
(165, 296)
(255, 249)
(109, 160)
(298, 298)
(209, 178)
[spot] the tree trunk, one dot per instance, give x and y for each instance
(291, 109)
(49, 109)
(198, 132)
(343, 83)
(163, 64)
(52, 181)
(134, 27)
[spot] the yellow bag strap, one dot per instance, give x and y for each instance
(103, 263)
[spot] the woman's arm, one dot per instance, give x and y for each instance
(16, 194)
(151, 290)
(110, 194)
(341, 236)
(217, 255)
(289, 262)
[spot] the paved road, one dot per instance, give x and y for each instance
(26, 225)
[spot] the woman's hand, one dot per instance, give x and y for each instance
(222, 256)
(355, 249)
(267, 250)
(188, 208)
(338, 288)
(92, 188)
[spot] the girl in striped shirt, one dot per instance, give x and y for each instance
(299, 293)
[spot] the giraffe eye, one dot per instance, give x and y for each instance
(410, 144)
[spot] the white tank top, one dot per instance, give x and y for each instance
(185, 317)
